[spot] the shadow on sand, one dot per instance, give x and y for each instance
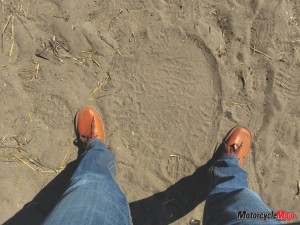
(159, 209)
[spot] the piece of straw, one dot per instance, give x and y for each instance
(12, 38)
(260, 52)
(3, 31)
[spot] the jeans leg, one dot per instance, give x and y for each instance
(230, 194)
(93, 196)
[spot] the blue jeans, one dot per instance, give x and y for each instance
(93, 197)
(230, 194)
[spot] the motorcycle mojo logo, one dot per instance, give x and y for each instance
(279, 214)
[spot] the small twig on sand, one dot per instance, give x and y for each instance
(36, 165)
(57, 47)
(95, 61)
(64, 160)
(7, 22)
(25, 163)
(260, 52)
(2, 37)
(36, 69)
(39, 53)
(30, 117)
(298, 187)
(238, 105)
(100, 86)
(91, 54)
(280, 84)
(97, 87)
(12, 38)
(118, 51)
(3, 31)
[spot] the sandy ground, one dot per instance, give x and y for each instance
(170, 78)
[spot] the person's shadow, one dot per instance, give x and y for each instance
(159, 209)
(35, 211)
(175, 202)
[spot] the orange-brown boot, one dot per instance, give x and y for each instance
(89, 125)
(236, 142)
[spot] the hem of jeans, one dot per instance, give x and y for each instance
(229, 156)
(92, 141)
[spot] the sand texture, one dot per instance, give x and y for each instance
(169, 78)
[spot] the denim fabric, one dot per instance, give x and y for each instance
(93, 197)
(230, 194)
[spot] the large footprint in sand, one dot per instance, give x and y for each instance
(172, 107)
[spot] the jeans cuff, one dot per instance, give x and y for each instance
(229, 156)
(95, 142)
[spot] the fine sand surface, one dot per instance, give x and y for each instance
(170, 78)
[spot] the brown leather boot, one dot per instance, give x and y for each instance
(237, 142)
(89, 125)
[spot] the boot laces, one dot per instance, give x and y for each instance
(234, 149)
(86, 138)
